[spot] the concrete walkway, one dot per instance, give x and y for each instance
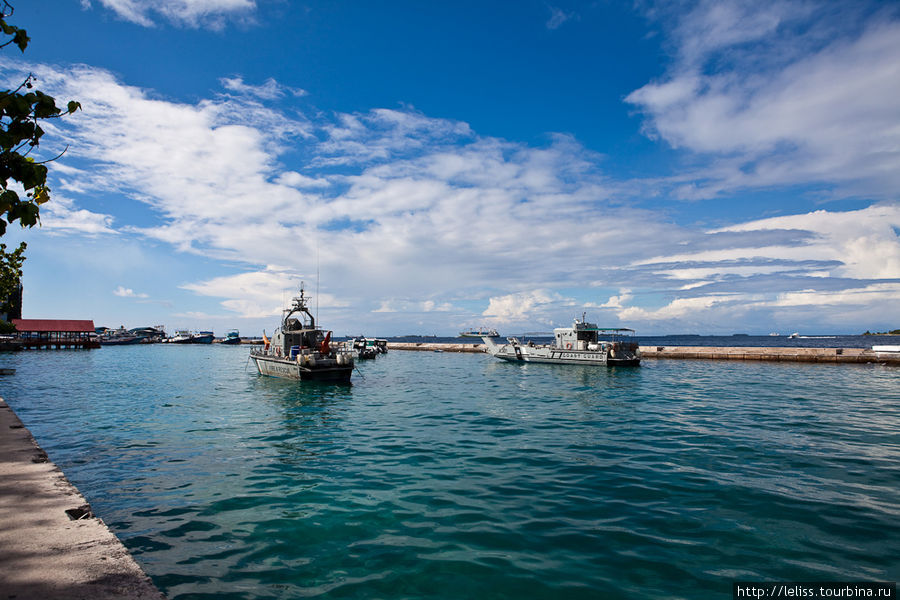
(51, 547)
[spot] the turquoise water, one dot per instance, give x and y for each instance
(440, 475)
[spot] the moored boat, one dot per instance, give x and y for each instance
(122, 340)
(203, 337)
(365, 348)
(299, 349)
(120, 337)
(232, 337)
(483, 332)
(184, 336)
(580, 344)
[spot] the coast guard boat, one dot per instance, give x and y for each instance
(301, 350)
(576, 345)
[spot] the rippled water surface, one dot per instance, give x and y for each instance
(440, 475)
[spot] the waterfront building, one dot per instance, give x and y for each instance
(56, 333)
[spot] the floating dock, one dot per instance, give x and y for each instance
(775, 354)
(51, 544)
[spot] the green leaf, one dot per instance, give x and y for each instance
(21, 39)
(73, 106)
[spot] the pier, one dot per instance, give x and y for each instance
(51, 544)
(774, 354)
(57, 334)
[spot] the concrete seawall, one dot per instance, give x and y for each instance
(823, 355)
(428, 347)
(818, 355)
(51, 545)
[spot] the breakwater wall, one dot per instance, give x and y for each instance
(822, 355)
(51, 543)
(817, 355)
(429, 347)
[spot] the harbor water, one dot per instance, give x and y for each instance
(446, 476)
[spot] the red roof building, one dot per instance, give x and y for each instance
(54, 325)
(61, 333)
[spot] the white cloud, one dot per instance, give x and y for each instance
(773, 104)
(424, 215)
(408, 306)
(883, 294)
(557, 17)
(190, 13)
(297, 180)
(521, 306)
(124, 292)
(619, 301)
(253, 294)
(268, 90)
(61, 216)
(681, 308)
(861, 244)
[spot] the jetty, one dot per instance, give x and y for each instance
(45, 334)
(51, 543)
(774, 354)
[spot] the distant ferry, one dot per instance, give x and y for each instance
(477, 333)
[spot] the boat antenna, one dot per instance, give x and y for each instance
(317, 276)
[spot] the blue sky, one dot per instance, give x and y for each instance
(678, 167)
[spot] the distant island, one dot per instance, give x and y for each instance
(892, 332)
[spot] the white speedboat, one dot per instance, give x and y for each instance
(580, 344)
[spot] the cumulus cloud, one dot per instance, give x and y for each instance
(775, 93)
(252, 294)
(519, 307)
(404, 214)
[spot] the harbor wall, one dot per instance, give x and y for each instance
(51, 544)
(822, 355)
(817, 355)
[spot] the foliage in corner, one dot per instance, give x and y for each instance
(10, 274)
(21, 111)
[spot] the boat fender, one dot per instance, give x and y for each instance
(612, 352)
